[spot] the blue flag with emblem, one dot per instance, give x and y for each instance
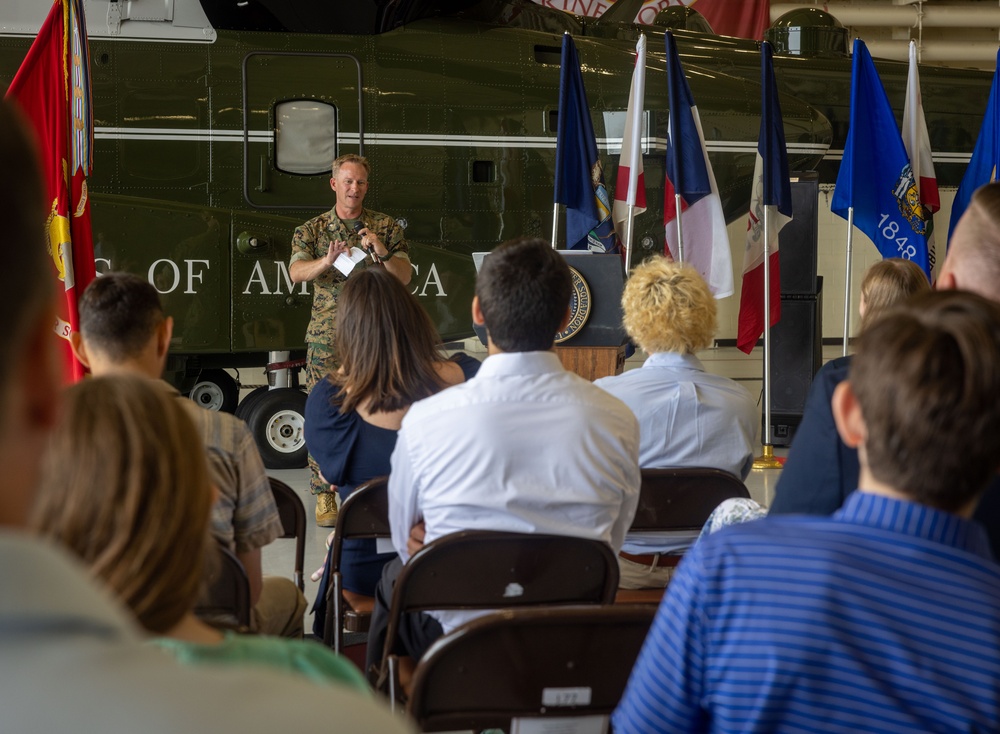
(579, 172)
(875, 176)
(985, 156)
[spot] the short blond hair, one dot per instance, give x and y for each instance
(358, 160)
(668, 308)
(889, 282)
(125, 487)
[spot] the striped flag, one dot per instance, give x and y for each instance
(579, 171)
(918, 148)
(630, 187)
(773, 192)
(875, 177)
(704, 241)
(985, 156)
(52, 87)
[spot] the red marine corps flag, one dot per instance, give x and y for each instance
(52, 87)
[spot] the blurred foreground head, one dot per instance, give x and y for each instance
(125, 487)
(30, 371)
(926, 378)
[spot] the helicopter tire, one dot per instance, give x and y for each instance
(216, 390)
(277, 423)
(246, 405)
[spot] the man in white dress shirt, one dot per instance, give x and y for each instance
(71, 658)
(687, 417)
(524, 446)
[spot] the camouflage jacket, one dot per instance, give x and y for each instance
(312, 240)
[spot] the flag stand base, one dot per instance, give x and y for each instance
(767, 460)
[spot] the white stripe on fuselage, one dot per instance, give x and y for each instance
(609, 145)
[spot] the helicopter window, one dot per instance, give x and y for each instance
(299, 16)
(305, 140)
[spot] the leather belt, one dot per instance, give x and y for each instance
(660, 560)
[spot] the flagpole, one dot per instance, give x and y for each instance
(680, 235)
(847, 277)
(766, 460)
(555, 225)
(629, 230)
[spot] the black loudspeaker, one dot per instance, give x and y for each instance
(797, 239)
(796, 355)
(604, 276)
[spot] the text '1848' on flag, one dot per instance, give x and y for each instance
(875, 177)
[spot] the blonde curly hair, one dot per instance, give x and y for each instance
(668, 308)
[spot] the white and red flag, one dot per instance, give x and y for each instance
(918, 148)
(772, 192)
(630, 186)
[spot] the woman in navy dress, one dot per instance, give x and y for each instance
(390, 357)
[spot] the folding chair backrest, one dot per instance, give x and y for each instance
(478, 569)
(553, 662)
(682, 499)
(491, 570)
(365, 514)
(226, 598)
(293, 523)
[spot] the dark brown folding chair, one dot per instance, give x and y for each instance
(225, 601)
(678, 500)
(365, 514)
(293, 523)
(528, 663)
(682, 499)
(487, 570)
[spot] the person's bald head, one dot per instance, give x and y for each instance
(973, 260)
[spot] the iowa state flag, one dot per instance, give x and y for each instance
(773, 192)
(985, 156)
(918, 147)
(630, 186)
(704, 238)
(579, 172)
(52, 87)
(875, 176)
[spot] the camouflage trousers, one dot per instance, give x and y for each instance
(320, 361)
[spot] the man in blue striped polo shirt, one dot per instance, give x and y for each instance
(884, 617)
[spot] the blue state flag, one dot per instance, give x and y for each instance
(579, 172)
(875, 176)
(985, 156)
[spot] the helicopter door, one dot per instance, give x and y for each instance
(301, 110)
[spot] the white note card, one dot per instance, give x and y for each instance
(347, 260)
(560, 725)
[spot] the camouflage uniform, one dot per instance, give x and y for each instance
(311, 242)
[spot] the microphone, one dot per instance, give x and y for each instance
(358, 226)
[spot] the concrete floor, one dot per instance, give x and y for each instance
(727, 361)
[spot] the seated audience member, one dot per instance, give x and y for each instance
(70, 658)
(973, 264)
(123, 330)
(126, 488)
(524, 446)
(389, 358)
(687, 417)
(821, 470)
(885, 616)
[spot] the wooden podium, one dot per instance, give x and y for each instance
(593, 362)
(596, 349)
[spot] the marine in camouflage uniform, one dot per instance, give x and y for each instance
(311, 241)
